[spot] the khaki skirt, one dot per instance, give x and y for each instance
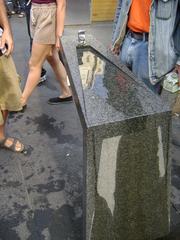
(43, 23)
(10, 92)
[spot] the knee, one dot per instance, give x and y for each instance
(51, 60)
(32, 65)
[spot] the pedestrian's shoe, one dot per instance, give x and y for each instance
(43, 77)
(12, 12)
(13, 144)
(57, 100)
(21, 14)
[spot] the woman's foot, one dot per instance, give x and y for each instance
(21, 14)
(12, 144)
(57, 100)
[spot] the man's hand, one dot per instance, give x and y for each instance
(115, 49)
(177, 69)
(7, 39)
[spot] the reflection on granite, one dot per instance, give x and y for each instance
(174, 235)
(91, 69)
(126, 142)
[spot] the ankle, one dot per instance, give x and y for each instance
(65, 95)
(2, 136)
(23, 101)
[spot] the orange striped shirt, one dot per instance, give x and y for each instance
(139, 17)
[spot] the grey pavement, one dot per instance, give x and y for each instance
(41, 193)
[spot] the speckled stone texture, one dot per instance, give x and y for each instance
(126, 151)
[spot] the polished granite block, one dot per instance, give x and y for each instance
(126, 146)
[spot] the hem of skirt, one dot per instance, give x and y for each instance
(4, 107)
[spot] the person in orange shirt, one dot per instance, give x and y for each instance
(143, 38)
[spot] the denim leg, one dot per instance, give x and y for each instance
(22, 4)
(140, 61)
(15, 5)
(140, 64)
(134, 54)
(27, 12)
(18, 5)
(125, 53)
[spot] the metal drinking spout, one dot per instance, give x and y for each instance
(81, 37)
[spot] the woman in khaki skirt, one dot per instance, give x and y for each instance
(10, 92)
(47, 25)
(10, 96)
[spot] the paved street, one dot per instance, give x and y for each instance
(41, 193)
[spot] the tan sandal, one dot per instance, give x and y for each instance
(13, 146)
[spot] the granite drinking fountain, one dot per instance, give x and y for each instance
(126, 166)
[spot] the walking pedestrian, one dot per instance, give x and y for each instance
(10, 93)
(47, 25)
(43, 76)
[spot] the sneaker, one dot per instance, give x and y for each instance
(12, 12)
(57, 100)
(43, 77)
(21, 14)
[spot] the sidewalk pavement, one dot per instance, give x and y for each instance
(41, 193)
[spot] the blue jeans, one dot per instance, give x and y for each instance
(18, 5)
(134, 54)
(27, 12)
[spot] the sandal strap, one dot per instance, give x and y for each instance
(13, 146)
(2, 142)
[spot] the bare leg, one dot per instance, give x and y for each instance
(38, 56)
(60, 73)
(2, 127)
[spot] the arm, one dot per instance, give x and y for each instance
(7, 36)
(116, 17)
(61, 12)
(115, 50)
(177, 69)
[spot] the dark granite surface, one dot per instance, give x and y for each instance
(126, 147)
(130, 189)
(117, 96)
